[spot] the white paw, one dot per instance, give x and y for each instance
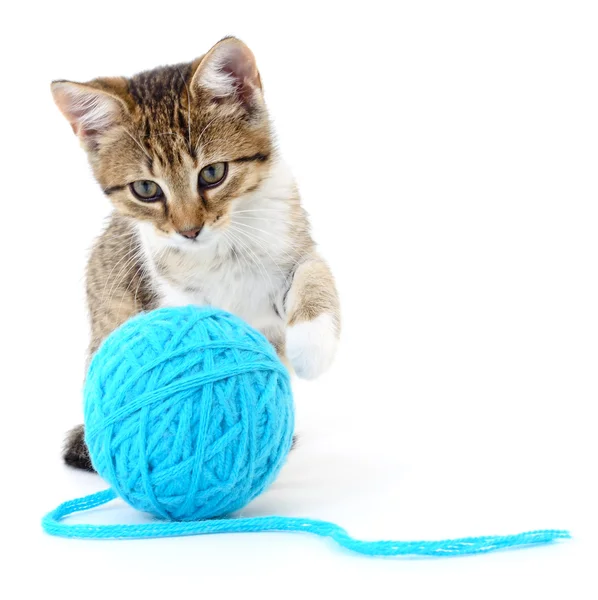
(311, 346)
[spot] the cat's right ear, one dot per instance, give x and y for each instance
(229, 70)
(90, 111)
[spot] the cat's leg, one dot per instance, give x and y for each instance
(75, 451)
(313, 319)
(116, 291)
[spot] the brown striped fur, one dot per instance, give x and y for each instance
(165, 125)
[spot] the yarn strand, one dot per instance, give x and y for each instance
(52, 524)
(189, 416)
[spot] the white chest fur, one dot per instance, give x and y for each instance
(250, 281)
(252, 293)
(246, 269)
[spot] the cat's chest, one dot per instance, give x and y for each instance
(253, 295)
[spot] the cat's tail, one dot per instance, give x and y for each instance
(75, 452)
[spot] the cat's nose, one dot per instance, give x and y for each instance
(191, 233)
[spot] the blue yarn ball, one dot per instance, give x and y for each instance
(188, 412)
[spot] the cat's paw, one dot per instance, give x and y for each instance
(311, 346)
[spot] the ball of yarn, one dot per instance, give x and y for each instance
(188, 412)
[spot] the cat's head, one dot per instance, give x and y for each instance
(177, 145)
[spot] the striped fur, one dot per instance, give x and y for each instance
(254, 255)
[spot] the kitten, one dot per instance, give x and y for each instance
(206, 211)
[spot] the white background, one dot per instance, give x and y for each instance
(447, 154)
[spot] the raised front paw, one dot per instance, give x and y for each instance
(311, 346)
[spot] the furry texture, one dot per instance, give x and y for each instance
(254, 255)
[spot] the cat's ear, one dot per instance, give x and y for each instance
(90, 110)
(229, 70)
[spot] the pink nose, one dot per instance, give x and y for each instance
(191, 233)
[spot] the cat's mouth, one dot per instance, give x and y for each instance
(204, 239)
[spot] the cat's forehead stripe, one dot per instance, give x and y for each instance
(155, 86)
(164, 119)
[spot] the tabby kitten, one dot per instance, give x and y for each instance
(206, 211)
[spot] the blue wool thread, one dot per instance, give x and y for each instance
(188, 413)
(456, 547)
(189, 416)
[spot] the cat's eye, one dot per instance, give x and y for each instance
(212, 174)
(146, 190)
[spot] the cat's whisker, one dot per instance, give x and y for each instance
(282, 267)
(263, 246)
(254, 210)
(203, 131)
(122, 274)
(242, 252)
(138, 143)
(227, 244)
(285, 260)
(137, 288)
(235, 250)
(123, 236)
(132, 266)
(244, 248)
(127, 254)
(256, 218)
(137, 274)
(291, 245)
(269, 233)
(255, 258)
(285, 257)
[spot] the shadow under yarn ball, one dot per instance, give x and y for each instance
(188, 412)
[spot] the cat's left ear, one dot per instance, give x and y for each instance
(229, 70)
(91, 108)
